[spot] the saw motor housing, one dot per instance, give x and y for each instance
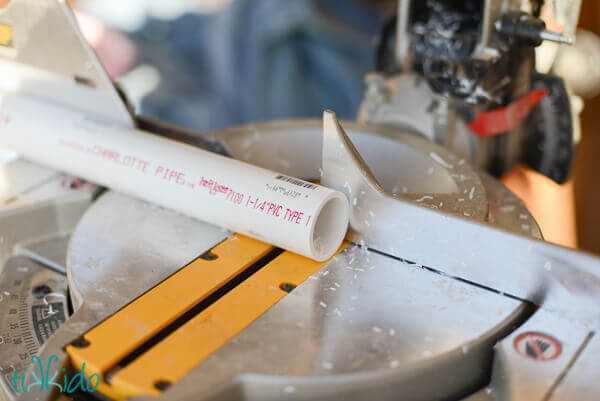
(463, 74)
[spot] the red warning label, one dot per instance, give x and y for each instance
(538, 346)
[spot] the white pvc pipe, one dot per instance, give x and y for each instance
(287, 212)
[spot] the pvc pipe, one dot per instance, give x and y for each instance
(296, 215)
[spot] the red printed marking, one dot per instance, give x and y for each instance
(214, 188)
(110, 155)
(170, 175)
(293, 216)
(235, 197)
(273, 209)
(116, 157)
(5, 118)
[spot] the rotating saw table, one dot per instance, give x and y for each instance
(363, 325)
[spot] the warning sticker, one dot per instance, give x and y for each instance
(6, 35)
(538, 346)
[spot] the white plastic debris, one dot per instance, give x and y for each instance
(439, 160)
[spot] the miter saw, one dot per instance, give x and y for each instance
(443, 290)
(463, 74)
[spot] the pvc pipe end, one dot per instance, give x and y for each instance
(331, 224)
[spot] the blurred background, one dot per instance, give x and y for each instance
(587, 162)
(184, 61)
